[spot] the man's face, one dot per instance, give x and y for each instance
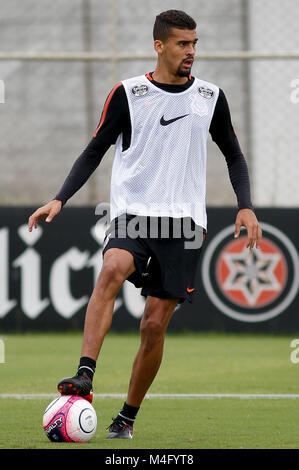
(178, 51)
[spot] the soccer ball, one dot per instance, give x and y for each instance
(70, 418)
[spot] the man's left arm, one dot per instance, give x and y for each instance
(223, 134)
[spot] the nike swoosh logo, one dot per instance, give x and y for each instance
(190, 290)
(163, 122)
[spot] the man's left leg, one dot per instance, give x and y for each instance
(153, 327)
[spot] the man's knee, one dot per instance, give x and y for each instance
(111, 272)
(152, 327)
(156, 318)
(115, 270)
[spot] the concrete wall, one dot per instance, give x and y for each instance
(52, 108)
(274, 118)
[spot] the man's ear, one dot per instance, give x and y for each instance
(158, 45)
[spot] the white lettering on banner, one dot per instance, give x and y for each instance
(59, 283)
(30, 265)
(96, 261)
(134, 303)
(5, 303)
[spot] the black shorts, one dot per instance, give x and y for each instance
(166, 259)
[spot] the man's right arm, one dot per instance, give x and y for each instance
(114, 121)
(110, 126)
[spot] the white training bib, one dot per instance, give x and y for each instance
(163, 172)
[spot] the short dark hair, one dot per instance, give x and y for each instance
(171, 19)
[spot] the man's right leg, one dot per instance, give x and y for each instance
(117, 266)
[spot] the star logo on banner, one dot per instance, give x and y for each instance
(251, 277)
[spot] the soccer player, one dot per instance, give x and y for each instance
(159, 122)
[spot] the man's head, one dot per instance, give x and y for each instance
(171, 19)
(175, 40)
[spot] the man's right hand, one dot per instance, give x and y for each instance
(50, 210)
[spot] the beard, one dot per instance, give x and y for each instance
(183, 72)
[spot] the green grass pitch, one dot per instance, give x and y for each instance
(192, 364)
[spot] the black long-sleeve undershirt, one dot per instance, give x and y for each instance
(115, 120)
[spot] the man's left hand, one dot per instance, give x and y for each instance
(247, 218)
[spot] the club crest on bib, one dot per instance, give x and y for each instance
(198, 105)
(205, 92)
(140, 90)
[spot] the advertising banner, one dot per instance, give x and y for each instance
(47, 275)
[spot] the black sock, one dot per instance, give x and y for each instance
(128, 413)
(87, 366)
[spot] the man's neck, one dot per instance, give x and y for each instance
(164, 76)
